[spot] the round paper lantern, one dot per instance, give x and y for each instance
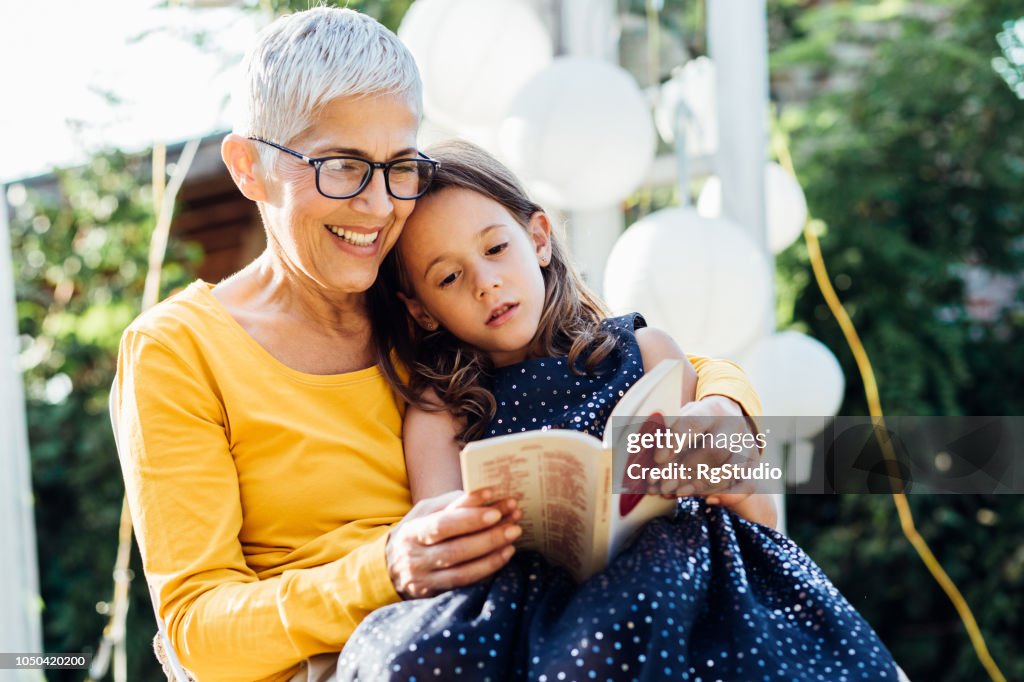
(431, 133)
(785, 204)
(692, 87)
(579, 133)
(473, 56)
(796, 376)
(702, 280)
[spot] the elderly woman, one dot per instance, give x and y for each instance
(261, 446)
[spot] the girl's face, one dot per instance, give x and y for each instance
(476, 271)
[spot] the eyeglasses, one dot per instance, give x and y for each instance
(343, 177)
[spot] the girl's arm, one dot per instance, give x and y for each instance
(655, 346)
(431, 451)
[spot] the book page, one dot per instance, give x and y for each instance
(556, 477)
(657, 395)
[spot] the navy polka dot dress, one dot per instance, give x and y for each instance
(703, 596)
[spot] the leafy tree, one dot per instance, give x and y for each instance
(79, 267)
(913, 158)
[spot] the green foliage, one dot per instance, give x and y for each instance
(857, 541)
(915, 171)
(79, 268)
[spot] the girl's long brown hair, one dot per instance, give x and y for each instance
(458, 373)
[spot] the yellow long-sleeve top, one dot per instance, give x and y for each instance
(262, 496)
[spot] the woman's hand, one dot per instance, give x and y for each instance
(449, 541)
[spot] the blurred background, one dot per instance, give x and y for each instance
(905, 122)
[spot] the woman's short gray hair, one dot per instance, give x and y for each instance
(302, 61)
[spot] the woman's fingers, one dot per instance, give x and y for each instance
(423, 570)
(448, 539)
(469, 548)
(433, 504)
(464, 574)
(477, 498)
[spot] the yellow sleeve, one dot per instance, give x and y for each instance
(721, 377)
(183, 490)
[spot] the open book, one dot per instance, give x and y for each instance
(562, 480)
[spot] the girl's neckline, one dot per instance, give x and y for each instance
(529, 362)
(205, 291)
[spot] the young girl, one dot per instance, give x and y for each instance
(502, 337)
(497, 300)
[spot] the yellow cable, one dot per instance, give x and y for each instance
(875, 408)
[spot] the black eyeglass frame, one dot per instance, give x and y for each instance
(385, 166)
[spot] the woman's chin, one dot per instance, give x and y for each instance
(353, 282)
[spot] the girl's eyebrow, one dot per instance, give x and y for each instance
(441, 257)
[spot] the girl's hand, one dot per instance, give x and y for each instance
(759, 508)
(722, 419)
(449, 541)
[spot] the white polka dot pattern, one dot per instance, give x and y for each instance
(703, 596)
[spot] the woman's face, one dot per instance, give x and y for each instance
(477, 271)
(339, 244)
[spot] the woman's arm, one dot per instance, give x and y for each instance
(224, 621)
(185, 491)
(431, 451)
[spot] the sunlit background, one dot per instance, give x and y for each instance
(903, 120)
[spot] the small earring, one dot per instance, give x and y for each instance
(430, 325)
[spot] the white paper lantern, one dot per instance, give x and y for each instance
(785, 204)
(580, 134)
(431, 133)
(473, 56)
(692, 86)
(796, 376)
(702, 280)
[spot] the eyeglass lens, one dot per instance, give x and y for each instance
(406, 179)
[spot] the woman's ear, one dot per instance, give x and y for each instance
(418, 312)
(243, 163)
(539, 228)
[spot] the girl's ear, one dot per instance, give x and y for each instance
(539, 228)
(418, 312)
(243, 163)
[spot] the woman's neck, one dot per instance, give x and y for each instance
(269, 286)
(299, 323)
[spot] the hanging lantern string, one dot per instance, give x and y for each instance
(875, 408)
(163, 200)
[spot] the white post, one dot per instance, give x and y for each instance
(590, 29)
(738, 46)
(19, 585)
